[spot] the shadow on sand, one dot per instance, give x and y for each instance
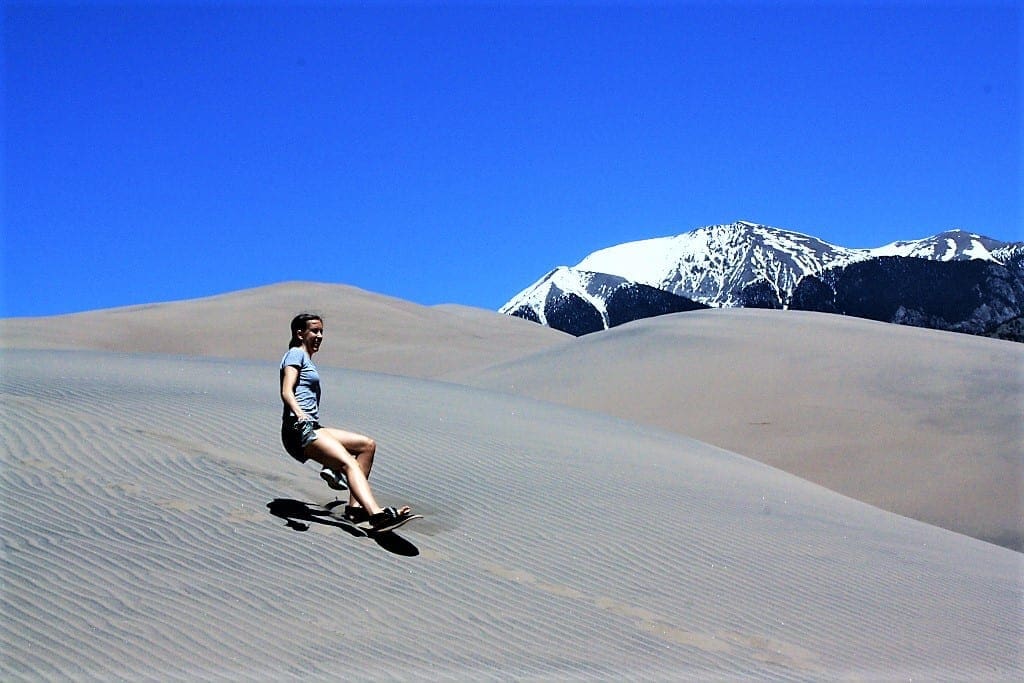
(298, 515)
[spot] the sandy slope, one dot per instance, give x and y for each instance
(921, 422)
(365, 331)
(137, 543)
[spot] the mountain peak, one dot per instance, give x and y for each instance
(736, 264)
(713, 263)
(951, 245)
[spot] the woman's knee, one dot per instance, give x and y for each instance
(340, 461)
(329, 451)
(357, 444)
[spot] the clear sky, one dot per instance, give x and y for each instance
(455, 152)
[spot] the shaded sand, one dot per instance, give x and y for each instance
(364, 331)
(924, 423)
(137, 544)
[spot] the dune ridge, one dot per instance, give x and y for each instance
(138, 544)
(367, 331)
(920, 422)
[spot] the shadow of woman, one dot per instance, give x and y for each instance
(298, 515)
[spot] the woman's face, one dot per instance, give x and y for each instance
(312, 336)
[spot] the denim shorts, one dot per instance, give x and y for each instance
(295, 436)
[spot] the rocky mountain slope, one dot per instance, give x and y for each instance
(757, 266)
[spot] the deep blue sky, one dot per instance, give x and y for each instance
(454, 153)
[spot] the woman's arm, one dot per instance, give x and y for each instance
(289, 380)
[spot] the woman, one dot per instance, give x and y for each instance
(342, 454)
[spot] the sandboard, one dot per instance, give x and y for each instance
(367, 529)
(297, 514)
(365, 526)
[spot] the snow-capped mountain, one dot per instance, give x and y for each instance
(953, 245)
(714, 264)
(580, 302)
(739, 264)
(593, 288)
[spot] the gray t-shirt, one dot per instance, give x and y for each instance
(307, 389)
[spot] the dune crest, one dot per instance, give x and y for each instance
(365, 331)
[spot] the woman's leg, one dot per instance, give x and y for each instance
(362, 448)
(330, 452)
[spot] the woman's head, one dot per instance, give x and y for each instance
(300, 324)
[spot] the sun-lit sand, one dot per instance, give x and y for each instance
(137, 491)
(924, 423)
(367, 331)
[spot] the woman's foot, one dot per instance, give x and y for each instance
(356, 515)
(336, 481)
(390, 518)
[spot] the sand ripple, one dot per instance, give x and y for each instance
(137, 544)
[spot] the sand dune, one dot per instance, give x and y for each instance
(365, 331)
(137, 544)
(914, 421)
(920, 422)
